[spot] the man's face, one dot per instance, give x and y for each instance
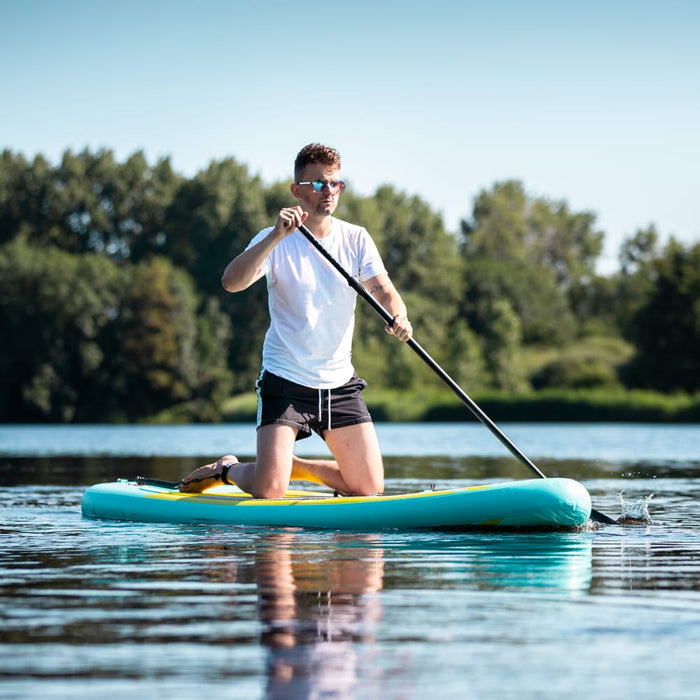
(321, 203)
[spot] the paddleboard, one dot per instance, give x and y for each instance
(532, 503)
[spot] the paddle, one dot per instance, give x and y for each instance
(414, 345)
(149, 481)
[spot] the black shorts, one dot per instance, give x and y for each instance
(282, 401)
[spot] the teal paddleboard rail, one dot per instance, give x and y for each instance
(552, 503)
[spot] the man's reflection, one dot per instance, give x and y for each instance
(315, 604)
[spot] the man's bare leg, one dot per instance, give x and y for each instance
(359, 458)
(358, 469)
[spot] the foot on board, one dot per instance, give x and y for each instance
(208, 475)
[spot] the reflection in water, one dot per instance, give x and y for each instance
(542, 560)
(485, 562)
(314, 609)
(320, 606)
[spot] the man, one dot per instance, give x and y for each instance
(307, 380)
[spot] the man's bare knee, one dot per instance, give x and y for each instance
(270, 490)
(367, 487)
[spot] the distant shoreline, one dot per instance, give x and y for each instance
(564, 406)
(547, 406)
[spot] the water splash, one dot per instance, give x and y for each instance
(635, 511)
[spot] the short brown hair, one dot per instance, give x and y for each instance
(315, 153)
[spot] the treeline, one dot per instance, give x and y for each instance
(111, 306)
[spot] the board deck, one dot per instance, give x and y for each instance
(541, 503)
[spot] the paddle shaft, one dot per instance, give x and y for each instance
(425, 356)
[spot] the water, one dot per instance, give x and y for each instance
(98, 609)
(613, 442)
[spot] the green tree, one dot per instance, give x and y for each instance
(277, 196)
(607, 305)
(212, 219)
(502, 348)
(666, 329)
(141, 196)
(157, 336)
(88, 203)
(26, 195)
(565, 242)
(56, 310)
(533, 252)
(465, 361)
(633, 284)
(639, 251)
(544, 315)
(170, 350)
(114, 208)
(85, 339)
(214, 380)
(421, 259)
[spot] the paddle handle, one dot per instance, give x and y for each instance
(423, 354)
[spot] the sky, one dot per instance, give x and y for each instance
(594, 103)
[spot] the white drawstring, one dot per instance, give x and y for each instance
(320, 406)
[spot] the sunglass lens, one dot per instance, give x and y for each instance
(333, 187)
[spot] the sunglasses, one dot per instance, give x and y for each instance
(334, 186)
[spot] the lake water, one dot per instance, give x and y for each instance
(104, 609)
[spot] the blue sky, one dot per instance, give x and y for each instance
(596, 103)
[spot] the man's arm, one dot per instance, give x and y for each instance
(383, 290)
(245, 268)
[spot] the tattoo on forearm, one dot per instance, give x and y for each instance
(376, 288)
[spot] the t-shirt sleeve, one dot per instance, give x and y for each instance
(371, 263)
(265, 267)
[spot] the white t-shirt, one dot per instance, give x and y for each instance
(312, 307)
